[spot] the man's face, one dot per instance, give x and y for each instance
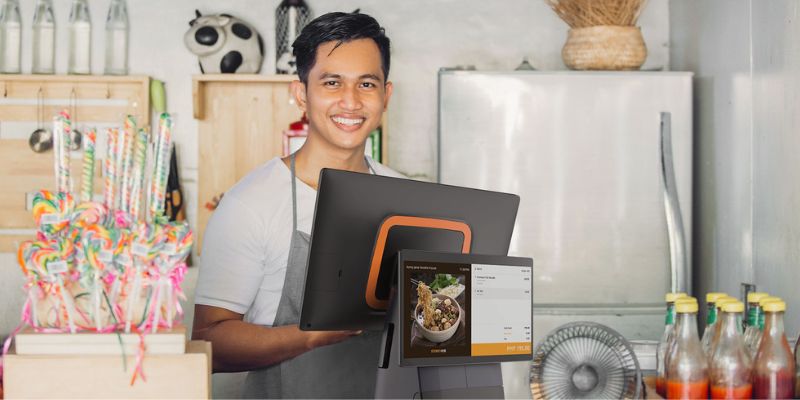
(346, 94)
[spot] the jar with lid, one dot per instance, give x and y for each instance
(116, 57)
(10, 37)
(80, 38)
(44, 38)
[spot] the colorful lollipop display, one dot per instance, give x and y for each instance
(115, 265)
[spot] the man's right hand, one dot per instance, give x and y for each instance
(324, 338)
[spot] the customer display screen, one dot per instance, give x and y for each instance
(466, 310)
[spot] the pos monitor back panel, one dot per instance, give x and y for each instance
(456, 309)
(360, 223)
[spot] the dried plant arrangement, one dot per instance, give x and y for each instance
(603, 34)
(586, 13)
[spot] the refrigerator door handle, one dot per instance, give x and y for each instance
(672, 209)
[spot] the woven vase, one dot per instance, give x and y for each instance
(604, 47)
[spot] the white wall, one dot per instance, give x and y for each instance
(746, 56)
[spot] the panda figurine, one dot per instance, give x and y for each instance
(224, 44)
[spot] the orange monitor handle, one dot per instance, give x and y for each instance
(380, 245)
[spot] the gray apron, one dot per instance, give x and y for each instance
(343, 370)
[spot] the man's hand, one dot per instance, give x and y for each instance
(241, 346)
(324, 338)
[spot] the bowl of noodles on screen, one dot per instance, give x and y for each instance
(437, 315)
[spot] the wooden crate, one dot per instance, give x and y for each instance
(108, 376)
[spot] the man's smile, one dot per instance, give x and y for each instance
(348, 123)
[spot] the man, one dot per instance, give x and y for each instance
(256, 243)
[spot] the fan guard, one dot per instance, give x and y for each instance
(585, 360)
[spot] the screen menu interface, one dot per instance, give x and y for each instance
(466, 310)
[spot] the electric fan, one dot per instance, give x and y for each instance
(585, 360)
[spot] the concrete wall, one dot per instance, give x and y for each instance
(746, 58)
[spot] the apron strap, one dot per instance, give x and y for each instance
(294, 196)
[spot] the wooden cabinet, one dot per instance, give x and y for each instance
(240, 123)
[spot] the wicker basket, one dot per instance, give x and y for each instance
(604, 47)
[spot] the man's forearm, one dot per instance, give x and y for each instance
(241, 346)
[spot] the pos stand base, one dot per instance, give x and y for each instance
(484, 381)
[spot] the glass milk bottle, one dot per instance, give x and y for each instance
(687, 367)
(10, 37)
(80, 38)
(730, 366)
(116, 57)
(44, 38)
(666, 338)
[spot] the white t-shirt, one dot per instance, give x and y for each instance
(246, 242)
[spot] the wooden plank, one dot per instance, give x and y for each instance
(165, 341)
(81, 79)
(198, 99)
(134, 89)
(179, 376)
(64, 90)
(86, 115)
(248, 78)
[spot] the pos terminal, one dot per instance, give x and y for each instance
(358, 278)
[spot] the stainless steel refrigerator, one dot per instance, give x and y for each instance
(602, 162)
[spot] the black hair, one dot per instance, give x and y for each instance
(341, 28)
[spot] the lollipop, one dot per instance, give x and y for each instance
(88, 213)
(50, 211)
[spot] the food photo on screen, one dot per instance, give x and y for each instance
(438, 314)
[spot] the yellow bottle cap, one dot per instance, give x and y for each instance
(754, 297)
(713, 296)
(733, 306)
(774, 306)
(671, 297)
(725, 300)
(687, 299)
(768, 299)
(686, 307)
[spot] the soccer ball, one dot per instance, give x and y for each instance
(224, 44)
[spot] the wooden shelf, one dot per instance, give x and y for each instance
(199, 83)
